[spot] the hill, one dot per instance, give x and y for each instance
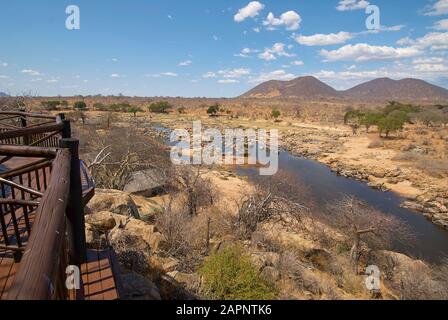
(378, 89)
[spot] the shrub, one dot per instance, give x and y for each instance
(160, 107)
(392, 122)
(80, 105)
(275, 114)
(213, 110)
(230, 275)
(51, 105)
(370, 119)
(181, 110)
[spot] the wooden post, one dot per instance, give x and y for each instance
(66, 130)
(75, 209)
(23, 122)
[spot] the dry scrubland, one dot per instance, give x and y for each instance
(205, 232)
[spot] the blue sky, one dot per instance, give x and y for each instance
(215, 48)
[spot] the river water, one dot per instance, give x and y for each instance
(430, 242)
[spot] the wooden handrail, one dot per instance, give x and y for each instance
(27, 114)
(39, 274)
(25, 151)
(29, 131)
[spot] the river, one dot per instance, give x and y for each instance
(430, 242)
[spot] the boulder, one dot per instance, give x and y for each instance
(114, 201)
(148, 233)
(137, 287)
(146, 182)
(188, 281)
(102, 221)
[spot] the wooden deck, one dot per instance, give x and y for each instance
(100, 276)
(99, 282)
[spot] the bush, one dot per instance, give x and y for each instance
(160, 107)
(394, 121)
(230, 275)
(275, 114)
(213, 110)
(51, 105)
(80, 105)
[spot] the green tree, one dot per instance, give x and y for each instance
(134, 110)
(353, 118)
(80, 105)
(392, 122)
(213, 110)
(230, 275)
(370, 118)
(276, 114)
(160, 107)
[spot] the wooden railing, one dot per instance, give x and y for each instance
(45, 192)
(20, 128)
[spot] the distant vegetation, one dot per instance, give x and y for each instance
(230, 275)
(80, 105)
(160, 107)
(394, 116)
(275, 114)
(213, 110)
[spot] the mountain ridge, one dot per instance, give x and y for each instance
(380, 88)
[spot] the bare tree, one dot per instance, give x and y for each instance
(197, 189)
(359, 222)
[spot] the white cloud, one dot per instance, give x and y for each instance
(185, 63)
(433, 40)
(170, 17)
(405, 41)
(256, 29)
(274, 75)
(251, 10)
(349, 5)
(297, 63)
(366, 52)
(209, 75)
(324, 39)
(162, 74)
(115, 75)
(31, 72)
(52, 81)
(215, 37)
(441, 25)
(235, 73)
(428, 60)
(352, 67)
(437, 9)
(430, 67)
(4, 64)
(3, 77)
(114, 59)
(245, 53)
(228, 81)
(277, 50)
(169, 74)
(290, 19)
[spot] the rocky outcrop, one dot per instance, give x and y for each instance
(138, 287)
(114, 201)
